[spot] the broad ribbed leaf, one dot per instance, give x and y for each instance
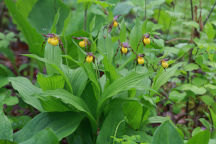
(77, 77)
(62, 124)
(26, 90)
(46, 136)
(6, 131)
(167, 134)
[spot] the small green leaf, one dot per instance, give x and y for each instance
(177, 96)
(201, 138)
(26, 90)
(210, 31)
(208, 100)
(191, 24)
(191, 67)
(193, 88)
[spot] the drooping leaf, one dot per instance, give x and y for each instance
(26, 90)
(62, 124)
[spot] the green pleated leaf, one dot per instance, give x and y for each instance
(27, 91)
(62, 124)
(46, 136)
(77, 77)
(50, 82)
(167, 134)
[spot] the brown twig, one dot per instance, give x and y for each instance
(177, 39)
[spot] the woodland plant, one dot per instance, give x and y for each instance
(110, 83)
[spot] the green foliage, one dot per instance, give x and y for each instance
(100, 93)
